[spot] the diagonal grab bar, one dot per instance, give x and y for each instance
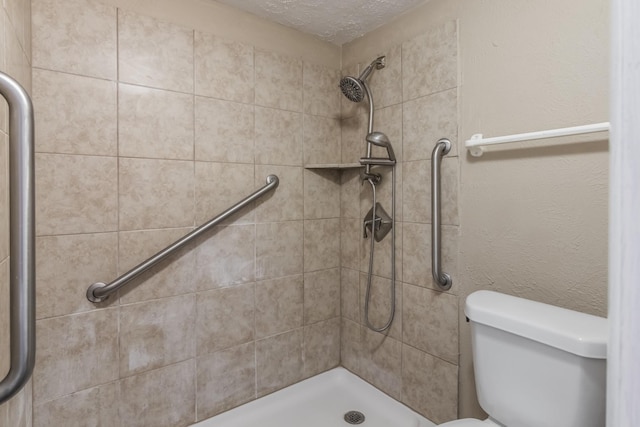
(443, 280)
(100, 291)
(22, 286)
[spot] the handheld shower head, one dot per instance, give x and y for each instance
(353, 88)
(382, 140)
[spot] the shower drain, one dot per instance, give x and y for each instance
(354, 417)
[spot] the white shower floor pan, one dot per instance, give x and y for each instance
(321, 401)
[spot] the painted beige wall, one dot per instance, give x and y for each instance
(533, 220)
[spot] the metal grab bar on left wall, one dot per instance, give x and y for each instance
(100, 291)
(443, 280)
(22, 287)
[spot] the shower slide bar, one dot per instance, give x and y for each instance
(475, 144)
(443, 280)
(100, 291)
(22, 312)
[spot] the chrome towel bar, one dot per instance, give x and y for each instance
(443, 280)
(22, 263)
(100, 291)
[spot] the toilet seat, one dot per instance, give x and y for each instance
(469, 422)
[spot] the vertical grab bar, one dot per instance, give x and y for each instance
(443, 280)
(21, 238)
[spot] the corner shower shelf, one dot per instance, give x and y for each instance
(338, 166)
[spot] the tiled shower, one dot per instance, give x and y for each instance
(146, 128)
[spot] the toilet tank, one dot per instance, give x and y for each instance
(537, 365)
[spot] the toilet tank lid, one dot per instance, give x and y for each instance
(578, 333)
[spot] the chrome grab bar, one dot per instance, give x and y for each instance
(443, 280)
(22, 269)
(100, 291)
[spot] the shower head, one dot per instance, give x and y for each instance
(354, 88)
(382, 140)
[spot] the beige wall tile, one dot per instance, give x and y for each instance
(416, 200)
(16, 64)
(429, 385)
(5, 308)
(154, 123)
(173, 276)
(162, 397)
(279, 305)
(351, 349)
(381, 362)
(224, 131)
(380, 304)
(155, 194)
(449, 190)
(75, 36)
(321, 346)
(286, 202)
(388, 120)
(426, 120)
(321, 92)
(430, 320)
(154, 53)
(321, 140)
(350, 188)
(19, 410)
(354, 132)
(321, 295)
(93, 407)
(223, 68)
(16, 12)
(279, 249)
(225, 257)
(75, 194)
(59, 290)
(4, 196)
(74, 353)
(75, 114)
(321, 244)
(350, 294)
(278, 81)
(278, 137)
(220, 186)
(225, 318)
(386, 84)
(279, 361)
(321, 194)
(351, 243)
(430, 61)
(156, 333)
(225, 379)
(382, 255)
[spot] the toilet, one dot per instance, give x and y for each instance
(536, 365)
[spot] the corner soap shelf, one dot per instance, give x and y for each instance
(338, 166)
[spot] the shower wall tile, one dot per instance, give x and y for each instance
(430, 61)
(287, 201)
(279, 305)
(75, 114)
(75, 194)
(426, 120)
(155, 193)
(321, 244)
(96, 406)
(4, 196)
(320, 90)
(74, 353)
(382, 265)
(19, 408)
(321, 140)
(354, 132)
(279, 249)
(430, 320)
(386, 84)
(225, 379)
(225, 256)
(278, 81)
(173, 276)
(450, 172)
(321, 349)
(224, 131)
(389, 121)
(380, 304)
(221, 185)
(225, 318)
(351, 243)
(429, 385)
(17, 64)
(154, 123)
(350, 188)
(16, 12)
(351, 346)
(278, 137)
(350, 295)
(321, 295)
(223, 68)
(381, 363)
(162, 397)
(5, 308)
(75, 36)
(94, 258)
(154, 53)
(321, 194)
(156, 334)
(279, 361)
(416, 194)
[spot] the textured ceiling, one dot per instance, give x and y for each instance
(336, 21)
